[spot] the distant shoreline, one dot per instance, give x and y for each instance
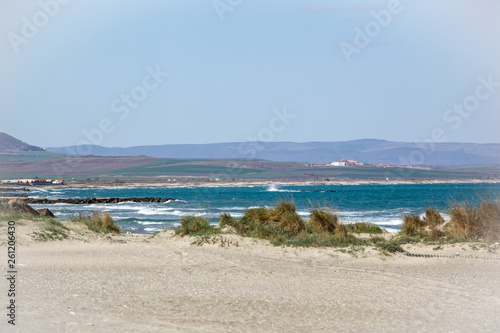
(242, 183)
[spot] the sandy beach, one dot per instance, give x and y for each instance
(146, 283)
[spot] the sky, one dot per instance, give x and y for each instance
(126, 73)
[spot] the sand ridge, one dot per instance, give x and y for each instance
(146, 283)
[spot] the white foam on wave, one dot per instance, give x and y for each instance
(149, 223)
(275, 188)
(303, 213)
(253, 207)
(153, 229)
(231, 208)
(155, 211)
(121, 207)
(39, 190)
(171, 211)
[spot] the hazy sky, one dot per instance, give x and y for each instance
(238, 70)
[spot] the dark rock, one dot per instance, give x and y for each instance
(45, 212)
(88, 201)
(12, 195)
(20, 206)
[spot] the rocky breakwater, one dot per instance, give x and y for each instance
(88, 201)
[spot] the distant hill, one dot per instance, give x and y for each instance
(9, 144)
(365, 150)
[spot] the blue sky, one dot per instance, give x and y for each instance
(341, 69)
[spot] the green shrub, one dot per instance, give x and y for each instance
(195, 225)
(257, 216)
(226, 220)
(391, 246)
(325, 239)
(363, 228)
(283, 207)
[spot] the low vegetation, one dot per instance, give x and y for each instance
(7, 214)
(281, 225)
(364, 228)
(52, 230)
(477, 220)
(97, 222)
(195, 225)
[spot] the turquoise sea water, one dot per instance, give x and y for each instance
(384, 205)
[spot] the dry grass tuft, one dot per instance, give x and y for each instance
(476, 221)
(258, 216)
(291, 221)
(98, 222)
(323, 221)
(412, 225)
(433, 217)
(434, 221)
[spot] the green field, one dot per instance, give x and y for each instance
(224, 169)
(184, 169)
(29, 156)
(194, 168)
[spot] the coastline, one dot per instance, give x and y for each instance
(130, 183)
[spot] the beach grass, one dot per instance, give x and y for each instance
(195, 225)
(477, 221)
(52, 230)
(281, 225)
(99, 222)
(364, 228)
(322, 220)
(7, 214)
(413, 225)
(226, 220)
(470, 221)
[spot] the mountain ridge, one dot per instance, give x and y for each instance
(9, 144)
(364, 150)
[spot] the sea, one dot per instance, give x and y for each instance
(382, 204)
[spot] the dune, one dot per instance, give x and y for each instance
(164, 283)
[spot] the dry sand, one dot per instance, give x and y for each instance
(140, 283)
